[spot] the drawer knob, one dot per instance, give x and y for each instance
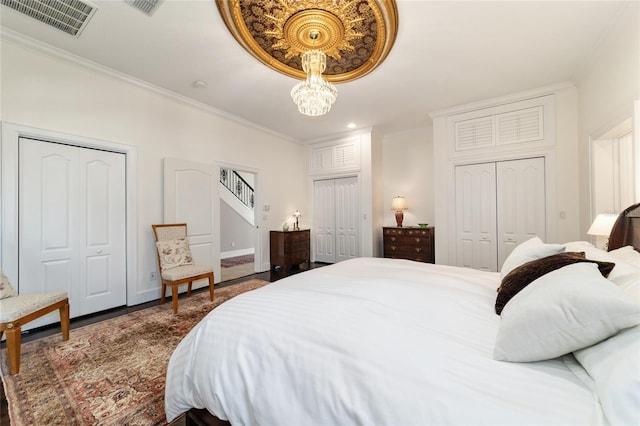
(418, 249)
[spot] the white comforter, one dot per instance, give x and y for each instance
(370, 341)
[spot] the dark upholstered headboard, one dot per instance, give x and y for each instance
(626, 229)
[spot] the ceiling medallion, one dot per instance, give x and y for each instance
(348, 38)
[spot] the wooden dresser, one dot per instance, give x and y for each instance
(410, 242)
(290, 248)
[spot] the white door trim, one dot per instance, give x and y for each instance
(9, 186)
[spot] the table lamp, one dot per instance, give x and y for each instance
(297, 216)
(601, 226)
(399, 204)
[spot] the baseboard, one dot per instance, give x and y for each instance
(236, 253)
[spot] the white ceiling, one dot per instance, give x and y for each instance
(446, 53)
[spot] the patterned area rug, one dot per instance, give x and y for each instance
(238, 260)
(108, 373)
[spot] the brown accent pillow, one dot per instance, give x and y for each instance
(528, 272)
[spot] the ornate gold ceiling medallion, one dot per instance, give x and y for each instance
(356, 35)
(311, 29)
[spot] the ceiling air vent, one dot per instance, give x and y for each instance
(146, 6)
(70, 16)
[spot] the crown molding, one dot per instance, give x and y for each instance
(37, 46)
(514, 97)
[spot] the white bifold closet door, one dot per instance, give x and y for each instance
(72, 232)
(498, 206)
(336, 235)
(476, 216)
(521, 203)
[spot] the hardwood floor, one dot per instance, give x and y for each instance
(37, 333)
(237, 271)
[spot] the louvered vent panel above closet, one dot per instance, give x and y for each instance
(322, 158)
(519, 126)
(345, 156)
(475, 133)
(500, 128)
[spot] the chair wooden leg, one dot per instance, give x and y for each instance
(13, 349)
(164, 290)
(211, 287)
(189, 288)
(64, 321)
(174, 298)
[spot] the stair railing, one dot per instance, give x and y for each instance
(237, 186)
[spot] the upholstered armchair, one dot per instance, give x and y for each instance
(176, 263)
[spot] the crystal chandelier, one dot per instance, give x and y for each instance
(314, 96)
(317, 41)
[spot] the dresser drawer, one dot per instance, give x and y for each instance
(289, 248)
(417, 240)
(410, 243)
(293, 237)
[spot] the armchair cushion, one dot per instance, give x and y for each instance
(174, 253)
(185, 271)
(13, 308)
(6, 290)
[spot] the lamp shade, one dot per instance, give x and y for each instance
(602, 224)
(399, 203)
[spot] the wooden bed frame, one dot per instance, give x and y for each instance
(625, 231)
(201, 417)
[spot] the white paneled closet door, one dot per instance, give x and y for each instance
(336, 225)
(476, 216)
(347, 213)
(521, 203)
(324, 228)
(498, 206)
(72, 232)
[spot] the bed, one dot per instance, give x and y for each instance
(390, 342)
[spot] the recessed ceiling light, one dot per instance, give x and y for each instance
(351, 125)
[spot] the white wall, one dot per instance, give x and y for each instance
(567, 178)
(407, 170)
(49, 92)
(607, 88)
(236, 234)
(377, 185)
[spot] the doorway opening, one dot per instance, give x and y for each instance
(237, 223)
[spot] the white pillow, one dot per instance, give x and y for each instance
(624, 274)
(527, 251)
(6, 290)
(627, 254)
(578, 245)
(563, 311)
(174, 253)
(614, 365)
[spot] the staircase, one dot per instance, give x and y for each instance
(237, 193)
